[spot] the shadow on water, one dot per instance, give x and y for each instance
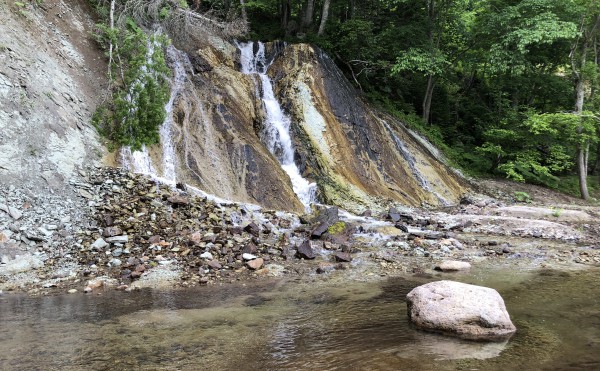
(300, 326)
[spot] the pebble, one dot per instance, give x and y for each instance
(99, 244)
(247, 256)
(255, 263)
(206, 255)
(72, 291)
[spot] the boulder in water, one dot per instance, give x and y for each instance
(459, 309)
(452, 266)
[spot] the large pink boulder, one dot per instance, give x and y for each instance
(454, 308)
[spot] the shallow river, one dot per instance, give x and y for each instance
(297, 325)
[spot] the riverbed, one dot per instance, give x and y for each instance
(300, 324)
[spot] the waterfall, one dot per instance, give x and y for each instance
(276, 133)
(140, 161)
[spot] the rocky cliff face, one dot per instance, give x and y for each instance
(216, 120)
(51, 74)
(360, 158)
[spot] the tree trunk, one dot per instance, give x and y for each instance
(110, 47)
(324, 16)
(244, 13)
(597, 166)
(427, 99)
(582, 172)
(581, 158)
(284, 13)
(352, 9)
(309, 11)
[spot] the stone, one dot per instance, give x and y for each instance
(452, 266)
(154, 239)
(394, 215)
(247, 256)
(459, 309)
(343, 257)
(117, 252)
(118, 239)
(401, 227)
(253, 229)
(324, 220)
(305, 250)
(250, 248)
(72, 291)
(214, 264)
(94, 284)
(255, 263)
(112, 231)
(86, 194)
(114, 262)
(325, 267)
(206, 255)
(14, 213)
(3, 238)
(179, 200)
(99, 244)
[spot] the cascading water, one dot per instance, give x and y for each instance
(140, 161)
(276, 134)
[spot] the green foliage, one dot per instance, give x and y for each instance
(522, 197)
(140, 87)
(556, 211)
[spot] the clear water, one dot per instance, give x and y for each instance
(299, 325)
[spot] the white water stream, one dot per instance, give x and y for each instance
(140, 161)
(276, 135)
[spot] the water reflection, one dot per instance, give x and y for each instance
(298, 326)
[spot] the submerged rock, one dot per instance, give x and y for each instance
(452, 265)
(459, 309)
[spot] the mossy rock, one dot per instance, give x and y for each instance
(336, 228)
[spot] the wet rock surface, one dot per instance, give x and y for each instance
(459, 309)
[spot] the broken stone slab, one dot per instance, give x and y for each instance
(305, 250)
(253, 229)
(459, 309)
(13, 212)
(179, 200)
(118, 239)
(452, 266)
(112, 231)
